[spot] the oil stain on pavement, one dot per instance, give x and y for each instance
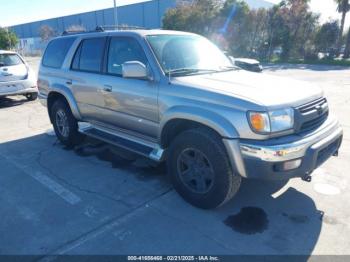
(249, 221)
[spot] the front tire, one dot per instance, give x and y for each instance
(200, 169)
(65, 125)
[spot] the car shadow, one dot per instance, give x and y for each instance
(7, 102)
(260, 220)
(278, 67)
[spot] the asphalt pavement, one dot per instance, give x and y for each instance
(99, 200)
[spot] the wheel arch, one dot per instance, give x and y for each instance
(61, 92)
(180, 119)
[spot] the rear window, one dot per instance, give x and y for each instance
(10, 60)
(56, 52)
(89, 56)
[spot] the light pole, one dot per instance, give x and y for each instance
(115, 13)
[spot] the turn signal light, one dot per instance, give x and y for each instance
(259, 121)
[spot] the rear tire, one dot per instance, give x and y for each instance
(65, 125)
(200, 169)
(31, 96)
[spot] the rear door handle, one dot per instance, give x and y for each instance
(69, 82)
(107, 88)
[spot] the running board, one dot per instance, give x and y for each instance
(147, 149)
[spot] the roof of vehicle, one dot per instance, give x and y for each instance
(156, 32)
(6, 52)
(140, 32)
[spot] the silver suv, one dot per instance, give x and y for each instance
(175, 97)
(16, 77)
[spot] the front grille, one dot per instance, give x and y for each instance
(313, 115)
(312, 124)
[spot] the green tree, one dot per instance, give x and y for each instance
(343, 7)
(8, 39)
(259, 19)
(289, 26)
(193, 16)
(301, 24)
(326, 36)
(347, 47)
(236, 27)
(278, 33)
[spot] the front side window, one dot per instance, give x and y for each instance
(10, 60)
(56, 52)
(89, 56)
(121, 50)
(176, 52)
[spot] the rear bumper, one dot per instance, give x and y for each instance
(267, 159)
(20, 87)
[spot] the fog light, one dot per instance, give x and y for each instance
(289, 165)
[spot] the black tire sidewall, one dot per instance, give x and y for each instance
(73, 137)
(214, 151)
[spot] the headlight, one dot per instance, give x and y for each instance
(282, 119)
(273, 121)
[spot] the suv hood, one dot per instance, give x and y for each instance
(263, 89)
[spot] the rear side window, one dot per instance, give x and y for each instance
(56, 52)
(89, 56)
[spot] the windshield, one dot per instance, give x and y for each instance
(9, 60)
(188, 53)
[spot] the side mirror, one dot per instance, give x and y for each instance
(135, 69)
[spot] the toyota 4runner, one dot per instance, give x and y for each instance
(175, 97)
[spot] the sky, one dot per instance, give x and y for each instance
(14, 12)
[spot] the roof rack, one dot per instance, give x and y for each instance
(118, 27)
(103, 29)
(74, 32)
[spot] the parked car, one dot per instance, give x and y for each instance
(248, 64)
(175, 97)
(16, 77)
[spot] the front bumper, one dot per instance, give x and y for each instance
(266, 159)
(20, 87)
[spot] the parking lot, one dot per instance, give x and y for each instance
(101, 200)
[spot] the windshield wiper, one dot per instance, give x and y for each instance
(189, 71)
